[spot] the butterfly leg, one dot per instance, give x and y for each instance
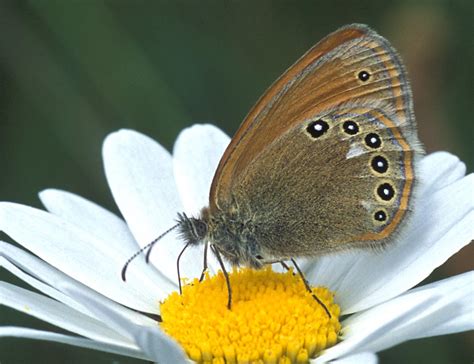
(204, 265)
(275, 261)
(284, 265)
(226, 275)
(177, 267)
(300, 272)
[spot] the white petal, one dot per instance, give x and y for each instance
(80, 254)
(451, 312)
(417, 313)
(90, 217)
(59, 315)
(50, 291)
(20, 332)
(440, 226)
(47, 279)
(358, 334)
(440, 169)
(112, 231)
(156, 344)
(140, 175)
(196, 154)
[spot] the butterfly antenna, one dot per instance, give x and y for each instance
(149, 246)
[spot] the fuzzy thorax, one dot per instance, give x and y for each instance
(231, 234)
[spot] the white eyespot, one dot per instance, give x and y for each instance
(318, 127)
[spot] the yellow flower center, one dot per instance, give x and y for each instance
(274, 319)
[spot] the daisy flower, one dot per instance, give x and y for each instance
(76, 251)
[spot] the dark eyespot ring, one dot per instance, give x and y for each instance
(363, 76)
(350, 127)
(385, 191)
(379, 164)
(317, 128)
(373, 140)
(380, 215)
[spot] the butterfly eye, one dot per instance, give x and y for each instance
(364, 76)
(317, 128)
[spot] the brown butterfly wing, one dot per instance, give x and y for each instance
(354, 69)
(325, 76)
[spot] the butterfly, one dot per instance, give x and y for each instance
(324, 162)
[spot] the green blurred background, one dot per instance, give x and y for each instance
(73, 71)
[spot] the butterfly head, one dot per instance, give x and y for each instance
(192, 230)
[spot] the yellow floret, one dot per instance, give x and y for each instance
(273, 319)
